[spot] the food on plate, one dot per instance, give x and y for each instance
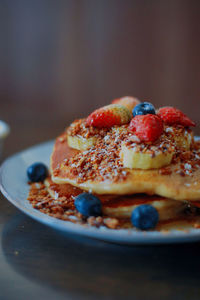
(145, 217)
(144, 108)
(128, 101)
(37, 172)
(125, 165)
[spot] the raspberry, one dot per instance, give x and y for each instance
(172, 116)
(108, 116)
(128, 101)
(148, 128)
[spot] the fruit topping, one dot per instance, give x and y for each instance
(144, 109)
(146, 159)
(37, 172)
(144, 217)
(174, 116)
(108, 116)
(88, 205)
(129, 102)
(148, 128)
(80, 143)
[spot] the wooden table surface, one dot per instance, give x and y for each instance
(37, 262)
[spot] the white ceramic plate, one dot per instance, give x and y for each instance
(13, 184)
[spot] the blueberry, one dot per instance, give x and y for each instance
(37, 172)
(144, 109)
(145, 217)
(88, 205)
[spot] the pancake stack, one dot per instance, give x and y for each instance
(124, 170)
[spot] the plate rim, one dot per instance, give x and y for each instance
(122, 236)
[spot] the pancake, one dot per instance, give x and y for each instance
(122, 206)
(179, 181)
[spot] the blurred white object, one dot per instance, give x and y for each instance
(4, 131)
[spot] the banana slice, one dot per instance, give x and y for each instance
(156, 156)
(182, 140)
(134, 159)
(80, 136)
(81, 143)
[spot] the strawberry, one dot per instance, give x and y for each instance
(108, 116)
(128, 101)
(172, 116)
(148, 128)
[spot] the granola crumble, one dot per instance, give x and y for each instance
(80, 128)
(63, 208)
(103, 162)
(57, 208)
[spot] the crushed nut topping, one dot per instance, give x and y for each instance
(80, 128)
(63, 208)
(103, 161)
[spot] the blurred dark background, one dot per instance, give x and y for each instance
(59, 60)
